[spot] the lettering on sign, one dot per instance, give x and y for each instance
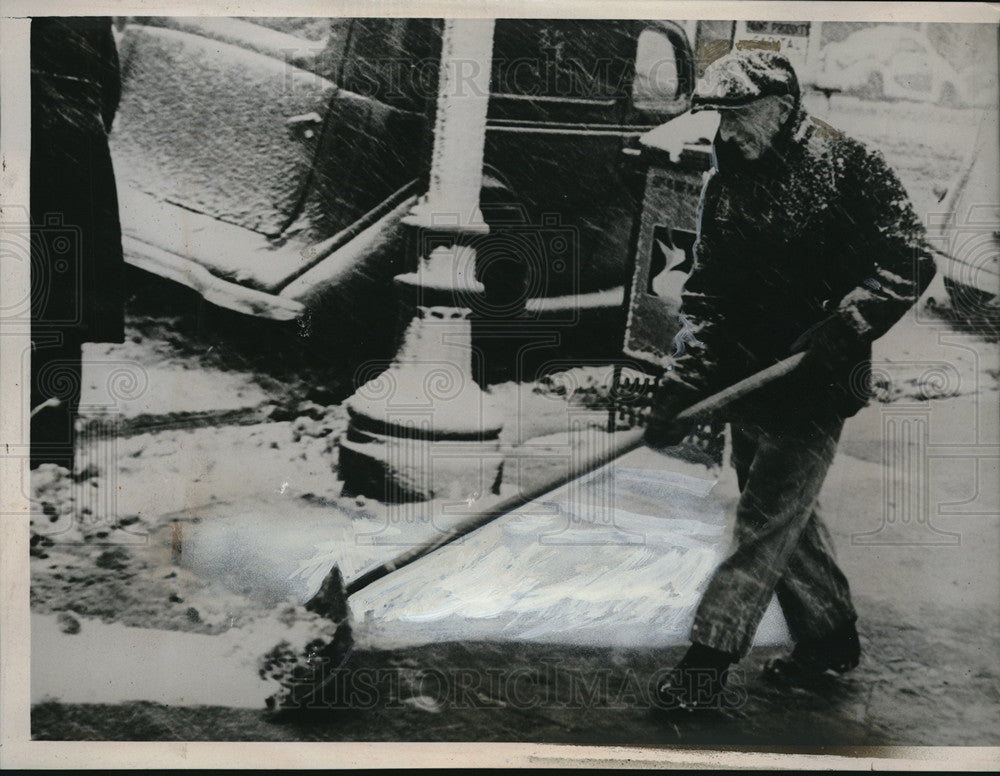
(765, 45)
(791, 29)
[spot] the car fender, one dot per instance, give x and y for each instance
(351, 280)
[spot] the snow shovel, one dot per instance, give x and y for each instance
(305, 687)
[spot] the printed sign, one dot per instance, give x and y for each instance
(794, 39)
(663, 259)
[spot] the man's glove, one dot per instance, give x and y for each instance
(662, 427)
(830, 346)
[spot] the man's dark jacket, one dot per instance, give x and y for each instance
(819, 226)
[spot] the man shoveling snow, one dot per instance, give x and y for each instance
(806, 240)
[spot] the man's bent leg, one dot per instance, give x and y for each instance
(814, 593)
(816, 599)
(775, 507)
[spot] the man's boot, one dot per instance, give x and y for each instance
(697, 683)
(838, 651)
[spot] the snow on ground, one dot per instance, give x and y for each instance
(618, 558)
(213, 428)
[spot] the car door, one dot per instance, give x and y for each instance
(203, 122)
(242, 162)
(374, 140)
(210, 167)
(561, 111)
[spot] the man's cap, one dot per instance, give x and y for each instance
(740, 77)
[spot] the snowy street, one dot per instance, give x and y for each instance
(215, 511)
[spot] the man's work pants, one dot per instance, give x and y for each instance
(781, 543)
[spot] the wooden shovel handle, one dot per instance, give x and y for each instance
(626, 443)
(742, 388)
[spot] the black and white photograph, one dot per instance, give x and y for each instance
(511, 375)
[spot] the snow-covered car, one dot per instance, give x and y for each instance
(271, 172)
(887, 62)
(968, 234)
